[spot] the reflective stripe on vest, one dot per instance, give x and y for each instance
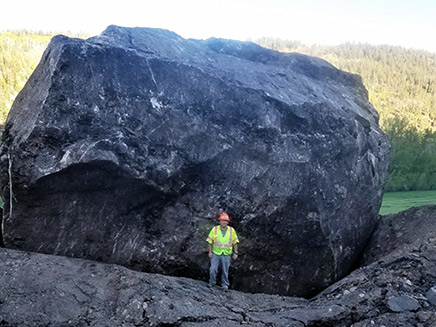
(222, 245)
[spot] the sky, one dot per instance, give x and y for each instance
(407, 23)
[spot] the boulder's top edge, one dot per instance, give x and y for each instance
(162, 43)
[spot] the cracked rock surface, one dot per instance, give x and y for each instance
(396, 290)
(406, 231)
(122, 149)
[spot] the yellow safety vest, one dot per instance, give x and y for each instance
(222, 245)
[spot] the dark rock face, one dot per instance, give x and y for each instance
(45, 290)
(403, 232)
(122, 148)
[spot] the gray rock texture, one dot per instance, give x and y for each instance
(431, 295)
(45, 290)
(403, 232)
(124, 147)
(403, 303)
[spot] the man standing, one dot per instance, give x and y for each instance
(223, 242)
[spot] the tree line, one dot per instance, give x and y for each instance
(413, 157)
(20, 52)
(401, 84)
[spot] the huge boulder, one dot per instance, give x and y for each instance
(124, 147)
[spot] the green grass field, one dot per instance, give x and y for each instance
(394, 202)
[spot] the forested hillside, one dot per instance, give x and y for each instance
(20, 52)
(401, 84)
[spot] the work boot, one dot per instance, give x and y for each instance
(225, 289)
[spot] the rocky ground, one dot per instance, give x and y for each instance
(397, 289)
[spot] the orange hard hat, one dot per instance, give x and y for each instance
(224, 216)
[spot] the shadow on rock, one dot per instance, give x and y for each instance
(398, 289)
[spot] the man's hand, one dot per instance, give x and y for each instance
(235, 256)
(210, 255)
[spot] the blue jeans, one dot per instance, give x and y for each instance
(216, 260)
